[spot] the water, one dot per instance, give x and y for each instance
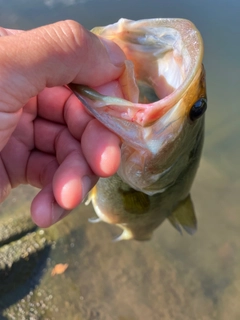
(171, 277)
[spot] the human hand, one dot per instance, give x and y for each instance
(47, 139)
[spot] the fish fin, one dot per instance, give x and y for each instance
(129, 234)
(135, 202)
(184, 217)
(125, 235)
(90, 196)
(88, 200)
(94, 220)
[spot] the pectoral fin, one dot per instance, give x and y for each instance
(184, 217)
(94, 220)
(135, 202)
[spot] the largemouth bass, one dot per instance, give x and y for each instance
(159, 116)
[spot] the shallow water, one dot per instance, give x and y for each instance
(172, 276)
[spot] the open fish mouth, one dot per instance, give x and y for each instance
(165, 55)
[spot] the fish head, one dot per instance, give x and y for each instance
(158, 107)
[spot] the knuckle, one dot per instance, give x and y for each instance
(3, 32)
(75, 33)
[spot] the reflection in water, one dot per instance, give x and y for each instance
(172, 276)
(54, 3)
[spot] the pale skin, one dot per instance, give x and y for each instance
(47, 139)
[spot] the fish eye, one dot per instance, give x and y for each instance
(198, 109)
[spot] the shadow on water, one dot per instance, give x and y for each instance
(17, 236)
(23, 276)
(23, 252)
(27, 260)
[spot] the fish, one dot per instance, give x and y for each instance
(159, 117)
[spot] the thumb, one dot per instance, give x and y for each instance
(50, 56)
(55, 55)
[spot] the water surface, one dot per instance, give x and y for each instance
(172, 276)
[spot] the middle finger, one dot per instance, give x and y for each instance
(74, 177)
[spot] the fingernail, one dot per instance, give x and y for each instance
(116, 55)
(57, 212)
